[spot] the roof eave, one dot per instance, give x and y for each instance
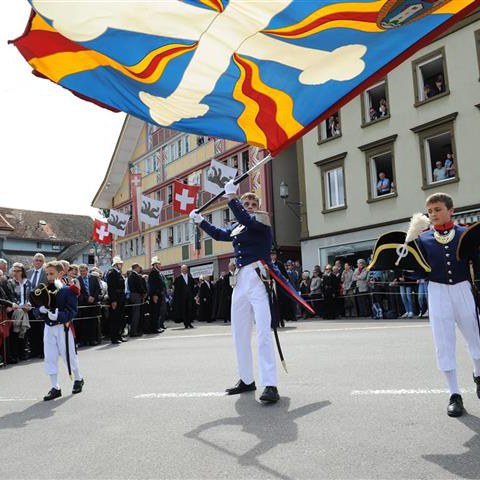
(122, 155)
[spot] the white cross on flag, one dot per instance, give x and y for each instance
(117, 222)
(100, 232)
(184, 197)
(150, 210)
(217, 176)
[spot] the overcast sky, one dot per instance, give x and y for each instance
(47, 134)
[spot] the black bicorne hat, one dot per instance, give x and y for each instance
(386, 254)
(469, 242)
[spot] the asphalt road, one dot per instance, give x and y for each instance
(362, 399)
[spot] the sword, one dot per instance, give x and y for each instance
(66, 328)
(236, 182)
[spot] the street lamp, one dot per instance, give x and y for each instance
(288, 203)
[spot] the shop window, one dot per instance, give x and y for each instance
(330, 128)
(375, 106)
(430, 77)
(437, 151)
(333, 182)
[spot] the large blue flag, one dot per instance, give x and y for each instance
(255, 71)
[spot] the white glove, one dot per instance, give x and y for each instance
(53, 316)
(43, 309)
(230, 188)
(196, 217)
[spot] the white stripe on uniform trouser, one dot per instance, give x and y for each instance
(249, 305)
(54, 346)
(447, 305)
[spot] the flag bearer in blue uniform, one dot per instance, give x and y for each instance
(252, 241)
(450, 298)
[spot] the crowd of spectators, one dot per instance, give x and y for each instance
(146, 301)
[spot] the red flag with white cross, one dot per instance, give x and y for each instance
(184, 197)
(100, 232)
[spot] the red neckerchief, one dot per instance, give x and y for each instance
(443, 227)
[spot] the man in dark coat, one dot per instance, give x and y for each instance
(137, 286)
(116, 295)
(286, 306)
(205, 297)
(36, 275)
(330, 286)
(90, 292)
(156, 292)
(224, 294)
(183, 298)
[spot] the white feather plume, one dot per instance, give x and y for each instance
(418, 223)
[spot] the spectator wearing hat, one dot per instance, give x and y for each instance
(156, 292)
(116, 296)
(138, 292)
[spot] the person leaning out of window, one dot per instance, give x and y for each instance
(383, 184)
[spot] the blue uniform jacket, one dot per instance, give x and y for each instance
(252, 240)
(443, 259)
(67, 304)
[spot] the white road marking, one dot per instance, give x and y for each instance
(289, 332)
(408, 391)
(18, 399)
(181, 395)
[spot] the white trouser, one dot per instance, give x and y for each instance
(447, 305)
(249, 305)
(54, 346)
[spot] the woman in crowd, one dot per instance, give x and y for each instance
(316, 290)
(360, 278)
(348, 291)
(20, 286)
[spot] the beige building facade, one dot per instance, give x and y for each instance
(366, 169)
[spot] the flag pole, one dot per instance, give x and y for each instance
(239, 179)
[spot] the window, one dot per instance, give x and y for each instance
(158, 240)
(178, 234)
(200, 141)
(149, 165)
(430, 77)
(437, 150)
(245, 161)
(56, 247)
(186, 140)
(169, 194)
(333, 182)
(169, 236)
(233, 161)
(226, 216)
(380, 163)
(188, 231)
(208, 246)
(329, 128)
(185, 252)
(375, 106)
(142, 245)
(39, 244)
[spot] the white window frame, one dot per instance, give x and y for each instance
(338, 175)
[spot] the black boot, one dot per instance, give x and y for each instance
(270, 395)
(477, 381)
(78, 385)
(455, 406)
(241, 387)
(52, 394)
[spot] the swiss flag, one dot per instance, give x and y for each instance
(100, 232)
(184, 197)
